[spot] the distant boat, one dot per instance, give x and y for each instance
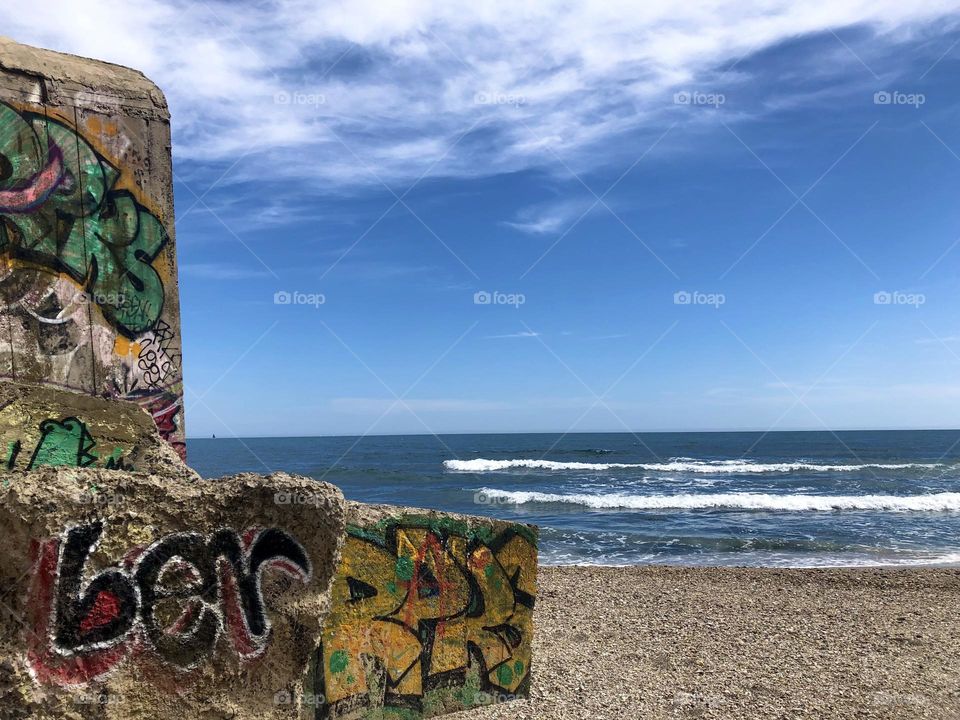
(214, 436)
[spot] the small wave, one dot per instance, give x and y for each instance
(482, 465)
(934, 502)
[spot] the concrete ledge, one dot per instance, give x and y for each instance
(126, 595)
(45, 427)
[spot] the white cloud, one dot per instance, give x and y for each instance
(386, 91)
(552, 218)
(521, 334)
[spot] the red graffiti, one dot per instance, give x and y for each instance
(47, 664)
(82, 627)
(38, 188)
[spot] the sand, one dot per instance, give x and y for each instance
(646, 642)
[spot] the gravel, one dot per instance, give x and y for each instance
(656, 642)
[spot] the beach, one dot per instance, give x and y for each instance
(667, 642)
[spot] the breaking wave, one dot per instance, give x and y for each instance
(482, 465)
(934, 502)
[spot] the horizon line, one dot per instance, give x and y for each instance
(559, 432)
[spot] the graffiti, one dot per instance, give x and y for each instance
(60, 210)
(165, 409)
(175, 599)
(84, 265)
(64, 443)
(157, 359)
(427, 613)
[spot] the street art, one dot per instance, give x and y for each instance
(174, 600)
(61, 211)
(83, 276)
(428, 616)
(63, 443)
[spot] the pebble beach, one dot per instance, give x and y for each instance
(735, 643)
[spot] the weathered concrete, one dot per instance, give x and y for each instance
(45, 427)
(88, 274)
(432, 613)
(129, 587)
(126, 595)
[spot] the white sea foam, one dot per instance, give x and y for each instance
(933, 502)
(689, 465)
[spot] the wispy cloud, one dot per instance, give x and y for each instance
(551, 218)
(521, 334)
(339, 95)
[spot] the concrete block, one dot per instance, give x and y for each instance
(127, 595)
(89, 298)
(432, 613)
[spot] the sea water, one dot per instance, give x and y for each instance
(788, 499)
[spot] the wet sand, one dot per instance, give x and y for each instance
(645, 642)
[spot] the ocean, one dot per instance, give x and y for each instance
(782, 499)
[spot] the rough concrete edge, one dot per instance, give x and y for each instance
(59, 67)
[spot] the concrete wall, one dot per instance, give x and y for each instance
(432, 613)
(128, 595)
(137, 595)
(88, 274)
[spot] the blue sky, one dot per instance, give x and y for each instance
(791, 173)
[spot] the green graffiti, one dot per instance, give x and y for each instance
(64, 443)
(339, 661)
(59, 208)
(404, 569)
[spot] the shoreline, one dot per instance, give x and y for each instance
(742, 643)
(879, 566)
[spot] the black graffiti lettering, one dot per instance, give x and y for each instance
(182, 594)
(268, 546)
(99, 615)
(194, 633)
(14, 453)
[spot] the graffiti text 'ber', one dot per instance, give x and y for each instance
(175, 597)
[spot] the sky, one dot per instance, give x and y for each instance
(431, 217)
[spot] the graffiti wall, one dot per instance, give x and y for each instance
(173, 600)
(44, 427)
(431, 614)
(134, 595)
(88, 281)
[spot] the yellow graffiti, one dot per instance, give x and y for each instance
(424, 608)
